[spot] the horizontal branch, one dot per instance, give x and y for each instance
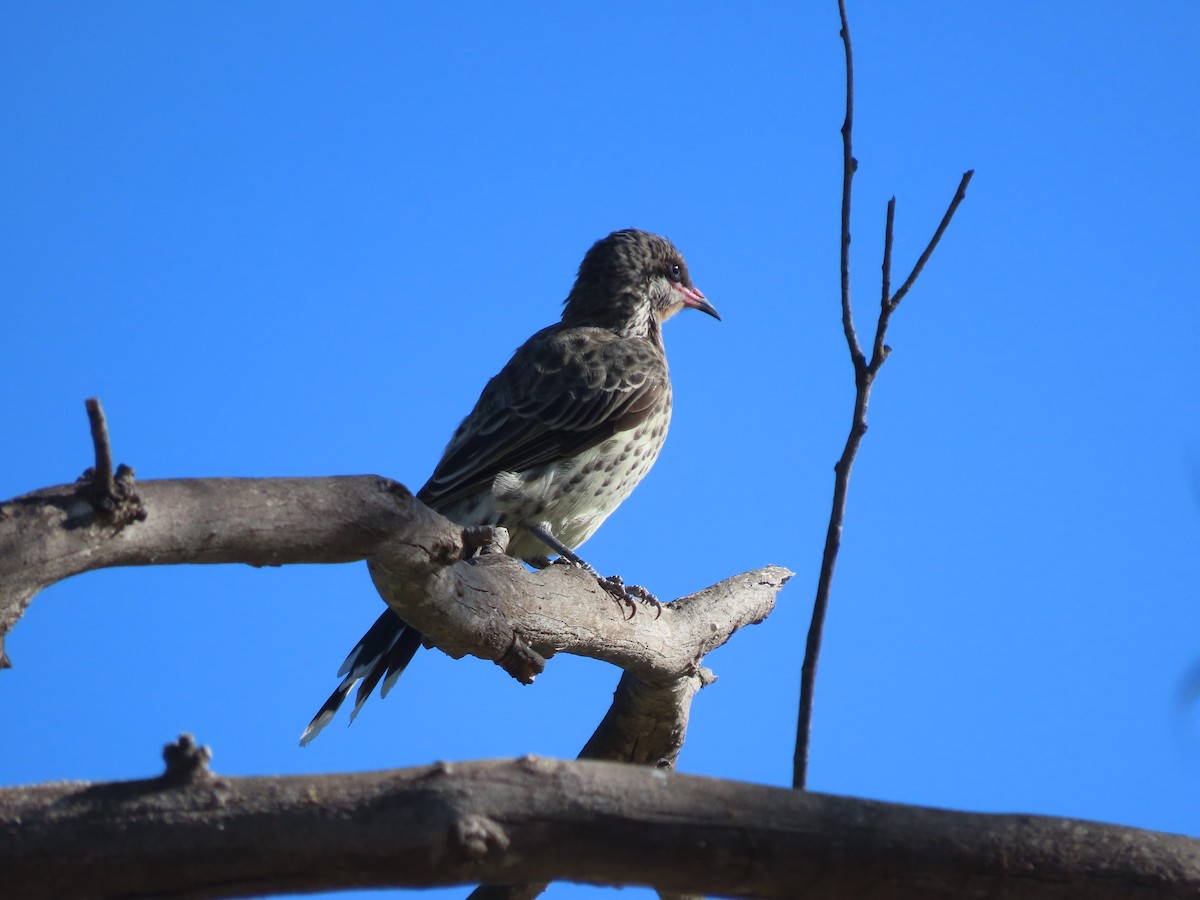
(483, 606)
(491, 606)
(424, 567)
(54, 533)
(198, 835)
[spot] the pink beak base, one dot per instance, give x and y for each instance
(695, 300)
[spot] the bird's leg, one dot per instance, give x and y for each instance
(626, 595)
(542, 533)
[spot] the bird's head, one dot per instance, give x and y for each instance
(631, 282)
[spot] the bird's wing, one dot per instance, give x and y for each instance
(565, 390)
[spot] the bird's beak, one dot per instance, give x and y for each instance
(694, 299)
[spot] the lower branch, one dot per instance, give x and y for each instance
(534, 820)
(489, 606)
(645, 725)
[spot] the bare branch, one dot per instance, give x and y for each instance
(57, 532)
(489, 606)
(833, 534)
(864, 377)
(958, 198)
(102, 474)
(833, 543)
(481, 606)
(849, 167)
(539, 820)
(646, 725)
(880, 350)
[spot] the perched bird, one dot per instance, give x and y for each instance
(559, 437)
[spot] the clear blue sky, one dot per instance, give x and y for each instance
(296, 239)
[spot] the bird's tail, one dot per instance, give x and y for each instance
(382, 653)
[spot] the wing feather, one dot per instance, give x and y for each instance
(564, 391)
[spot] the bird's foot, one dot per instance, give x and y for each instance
(629, 595)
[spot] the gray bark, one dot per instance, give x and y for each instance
(192, 834)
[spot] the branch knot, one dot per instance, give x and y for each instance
(186, 760)
(476, 836)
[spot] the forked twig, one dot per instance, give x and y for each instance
(864, 376)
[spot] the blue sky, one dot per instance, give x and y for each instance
(294, 239)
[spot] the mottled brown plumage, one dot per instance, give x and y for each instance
(561, 435)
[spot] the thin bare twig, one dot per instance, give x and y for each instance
(103, 484)
(879, 349)
(109, 492)
(833, 535)
(849, 167)
(959, 196)
(864, 376)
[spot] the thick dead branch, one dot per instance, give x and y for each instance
(536, 820)
(482, 607)
(645, 725)
(489, 606)
(57, 532)
(486, 606)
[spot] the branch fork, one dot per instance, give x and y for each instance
(424, 566)
(864, 377)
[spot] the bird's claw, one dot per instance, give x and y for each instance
(629, 595)
(646, 597)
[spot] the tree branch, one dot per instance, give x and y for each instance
(645, 725)
(489, 606)
(537, 820)
(849, 167)
(864, 376)
(958, 198)
(833, 533)
(485, 607)
(57, 532)
(102, 473)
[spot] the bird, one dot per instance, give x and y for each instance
(558, 438)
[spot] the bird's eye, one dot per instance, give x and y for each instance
(676, 272)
